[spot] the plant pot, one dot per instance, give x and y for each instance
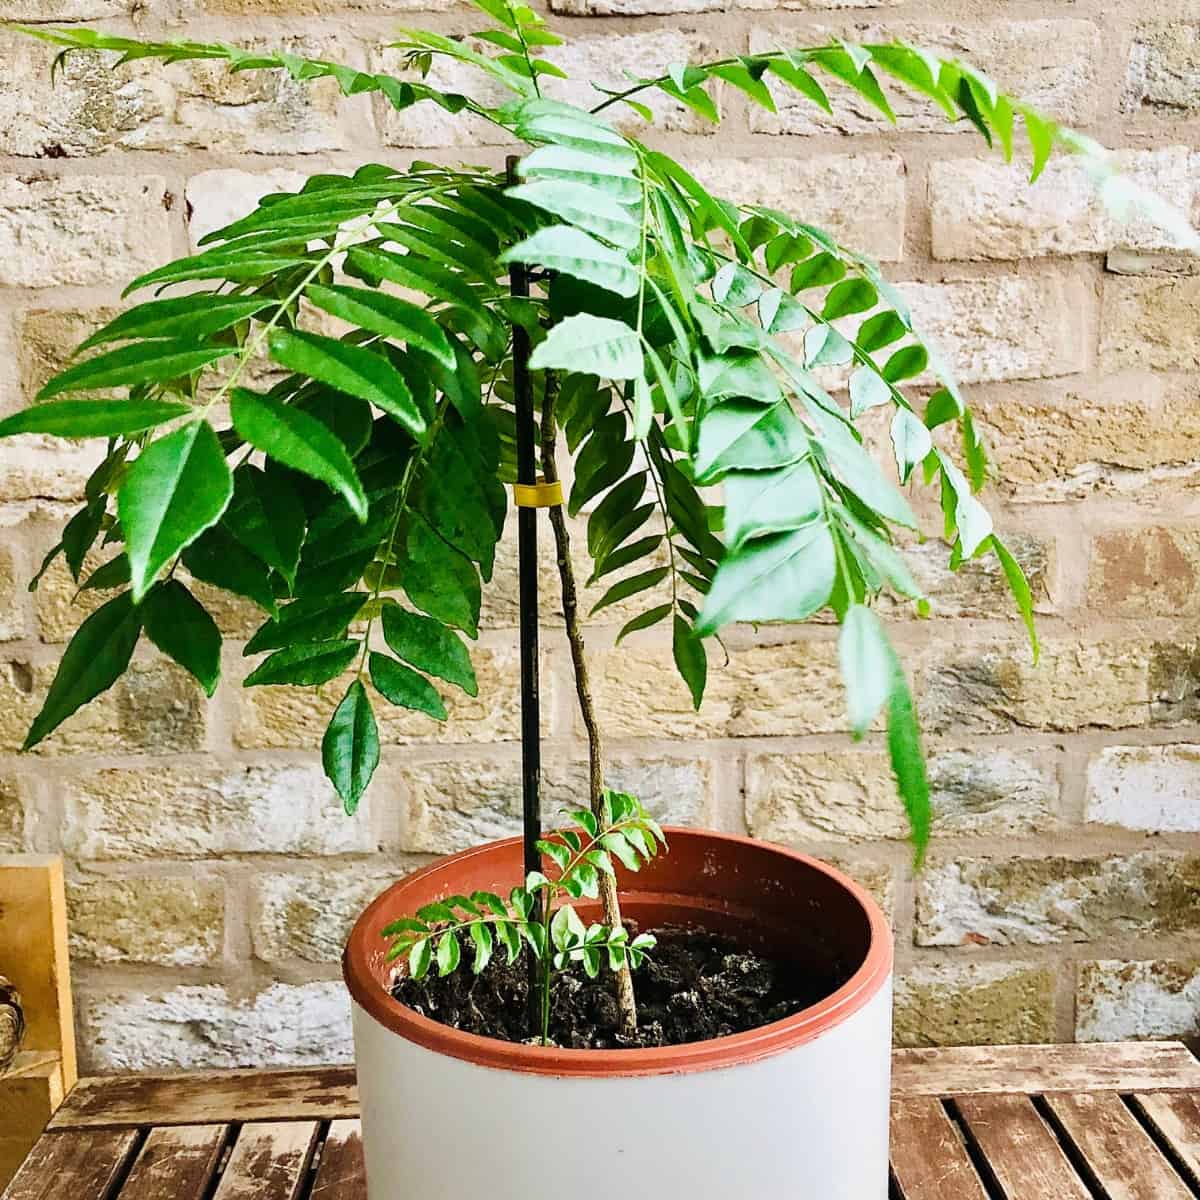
(797, 1108)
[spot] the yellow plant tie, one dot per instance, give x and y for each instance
(538, 495)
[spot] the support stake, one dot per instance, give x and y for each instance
(531, 747)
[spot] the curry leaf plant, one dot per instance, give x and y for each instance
(680, 344)
(539, 912)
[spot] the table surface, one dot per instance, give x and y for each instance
(1097, 1122)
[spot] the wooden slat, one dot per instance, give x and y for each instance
(1024, 1156)
(1109, 1067)
(175, 1163)
(341, 1175)
(269, 1162)
(929, 1161)
(1176, 1117)
(210, 1098)
(1120, 1154)
(73, 1166)
(29, 1096)
(33, 952)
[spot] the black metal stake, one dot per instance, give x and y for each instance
(531, 746)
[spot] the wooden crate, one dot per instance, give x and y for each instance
(33, 955)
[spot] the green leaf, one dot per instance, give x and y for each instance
(294, 439)
(439, 580)
(591, 345)
(216, 557)
(906, 363)
(112, 574)
(179, 625)
(349, 369)
(850, 296)
(176, 489)
(419, 958)
(910, 440)
(93, 418)
(309, 619)
(307, 665)
(449, 953)
(141, 363)
(1019, 586)
(644, 621)
(481, 935)
(403, 687)
(880, 330)
(780, 577)
(867, 665)
(382, 313)
(190, 317)
(267, 517)
(350, 747)
(868, 389)
(631, 587)
(570, 251)
(908, 761)
(93, 661)
(588, 208)
(616, 177)
(429, 646)
(690, 659)
(758, 502)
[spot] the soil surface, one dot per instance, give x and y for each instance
(693, 986)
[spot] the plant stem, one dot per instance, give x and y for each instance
(546, 1001)
(609, 900)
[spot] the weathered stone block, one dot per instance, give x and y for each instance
(12, 588)
(1150, 322)
(1164, 69)
(12, 815)
(1148, 572)
(155, 707)
(859, 198)
(1041, 901)
(44, 468)
(1126, 434)
(1006, 327)
(762, 691)
(1121, 1000)
(989, 210)
(451, 806)
(1052, 64)
(309, 916)
(86, 229)
(172, 922)
(1155, 788)
(974, 1004)
(185, 811)
(840, 795)
(186, 106)
(212, 1026)
(294, 717)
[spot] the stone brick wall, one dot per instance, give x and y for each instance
(212, 875)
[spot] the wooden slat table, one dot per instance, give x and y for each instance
(1098, 1122)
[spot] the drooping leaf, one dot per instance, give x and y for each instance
(308, 665)
(908, 761)
(92, 418)
(350, 369)
(591, 345)
(216, 557)
(176, 489)
(866, 662)
(429, 646)
(309, 619)
(267, 517)
(440, 580)
(350, 748)
(180, 626)
(297, 440)
(690, 659)
(93, 661)
(1019, 586)
(404, 687)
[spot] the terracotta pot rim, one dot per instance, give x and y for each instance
(737, 1049)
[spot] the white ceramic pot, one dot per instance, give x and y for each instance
(796, 1109)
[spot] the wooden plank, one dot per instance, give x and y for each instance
(73, 1166)
(175, 1164)
(1024, 1157)
(1121, 1155)
(1176, 1118)
(269, 1162)
(341, 1174)
(210, 1098)
(929, 1161)
(33, 952)
(1096, 1067)
(29, 1097)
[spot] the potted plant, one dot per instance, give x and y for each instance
(592, 294)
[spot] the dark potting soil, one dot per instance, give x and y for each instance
(693, 986)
